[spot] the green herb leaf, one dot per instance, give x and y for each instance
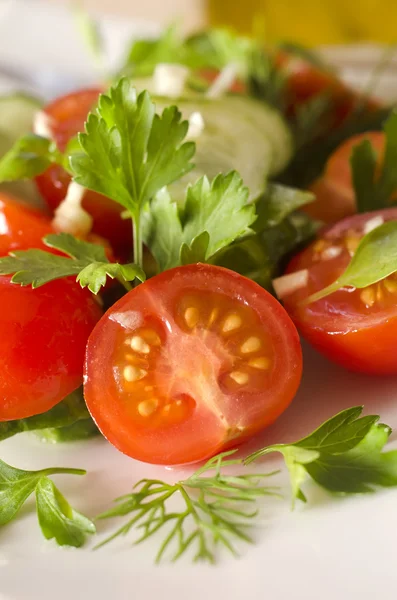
(91, 35)
(374, 259)
(58, 519)
(278, 202)
(79, 430)
(214, 214)
(30, 156)
(359, 470)
(214, 514)
(71, 410)
(343, 455)
(87, 261)
(128, 153)
(375, 191)
(17, 485)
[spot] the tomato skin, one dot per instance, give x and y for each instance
(43, 334)
(340, 326)
(21, 227)
(67, 117)
(204, 430)
(335, 198)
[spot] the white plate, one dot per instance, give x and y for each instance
(326, 550)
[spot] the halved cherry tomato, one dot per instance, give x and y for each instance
(355, 328)
(21, 227)
(43, 334)
(191, 362)
(67, 115)
(334, 191)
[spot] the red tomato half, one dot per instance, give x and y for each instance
(356, 328)
(21, 227)
(67, 117)
(43, 334)
(334, 191)
(191, 362)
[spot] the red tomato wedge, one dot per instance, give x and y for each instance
(21, 227)
(67, 116)
(334, 191)
(43, 334)
(354, 328)
(191, 362)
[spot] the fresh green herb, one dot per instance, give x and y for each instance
(213, 512)
(343, 455)
(91, 36)
(214, 214)
(71, 410)
(374, 191)
(80, 430)
(312, 120)
(266, 81)
(87, 261)
(30, 156)
(279, 232)
(56, 517)
(128, 152)
(374, 260)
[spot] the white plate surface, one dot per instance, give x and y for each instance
(330, 549)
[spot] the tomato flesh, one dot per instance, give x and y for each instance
(43, 333)
(356, 328)
(335, 197)
(21, 227)
(67, 116)
(191, 362)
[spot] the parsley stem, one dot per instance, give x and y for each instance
(136, 232)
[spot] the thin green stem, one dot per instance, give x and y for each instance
(138, 246)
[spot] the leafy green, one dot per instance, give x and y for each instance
(57, 519)
(280, 232)
(214, 510)
(374, 191)
(128, 152)
(374, 259)
(212, 49)
(71, 410)
(79, 430)
(343, 455)
(29, 156)
(213, 215)
(87, 261)
(91, 35)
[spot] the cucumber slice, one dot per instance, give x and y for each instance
(16, 118)
(239, 133)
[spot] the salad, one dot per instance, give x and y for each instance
(198, 209)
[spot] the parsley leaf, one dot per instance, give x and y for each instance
(30, 156)
(373, 190)
(87, 261)
(128, 152)
(343, 455)
(213, 215)
(57, 519)
(71, 410)
(374, 260)
(91, 35)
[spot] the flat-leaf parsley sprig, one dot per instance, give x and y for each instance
(129, 153)
(85, 260)
(56, 517)
(217, 509)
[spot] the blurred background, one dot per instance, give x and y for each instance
(311, 22)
